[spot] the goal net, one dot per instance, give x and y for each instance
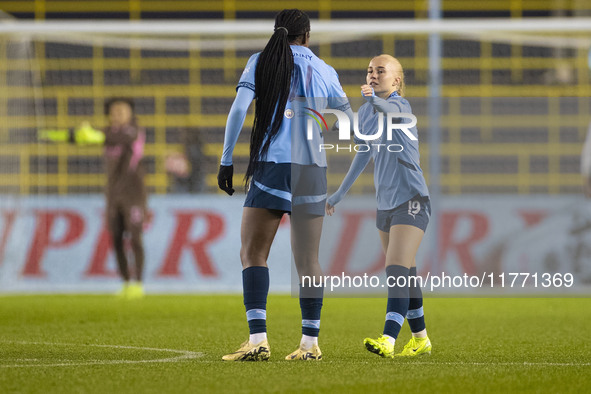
(503, 107)
(514, 96)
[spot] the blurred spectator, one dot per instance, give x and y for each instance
(189, 168)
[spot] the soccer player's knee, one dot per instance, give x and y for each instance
(116, 230)
(252, 258)
(116, 239)
(136, 240)
(309, 266)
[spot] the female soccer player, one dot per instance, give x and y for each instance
(125, 190)
(284, 70)
(403, 205)
(123, 142)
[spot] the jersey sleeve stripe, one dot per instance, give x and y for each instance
(245, 85)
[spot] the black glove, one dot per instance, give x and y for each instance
(225, 178)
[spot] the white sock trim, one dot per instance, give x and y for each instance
(392, 340)
(257, 338)
(307, 342)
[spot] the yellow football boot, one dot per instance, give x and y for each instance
(250, 352)
(123, 292)
(312, 354)
(381, 346)
(416, 347)
(135, 291)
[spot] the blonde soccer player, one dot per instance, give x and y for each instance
(403, 206)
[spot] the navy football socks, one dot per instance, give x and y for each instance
(311, 306)
(398, 299)
(255, 287)
(415, 316)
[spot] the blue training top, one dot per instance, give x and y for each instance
(312, 78)
(398, 176)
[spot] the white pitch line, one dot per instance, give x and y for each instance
(190, 355)
(183, 355)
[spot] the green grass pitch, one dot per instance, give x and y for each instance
(174, 344)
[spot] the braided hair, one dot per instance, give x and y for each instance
(273, 75)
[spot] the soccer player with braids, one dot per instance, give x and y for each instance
(284, 71)
(403, 206)
(125, 192)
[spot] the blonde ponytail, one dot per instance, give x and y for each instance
(402, 85)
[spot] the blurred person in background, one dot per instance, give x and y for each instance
(188, 167)
(126, 208)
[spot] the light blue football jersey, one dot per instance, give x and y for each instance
(398, 176)
(316, 85)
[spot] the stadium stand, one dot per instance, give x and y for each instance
(514, 115)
